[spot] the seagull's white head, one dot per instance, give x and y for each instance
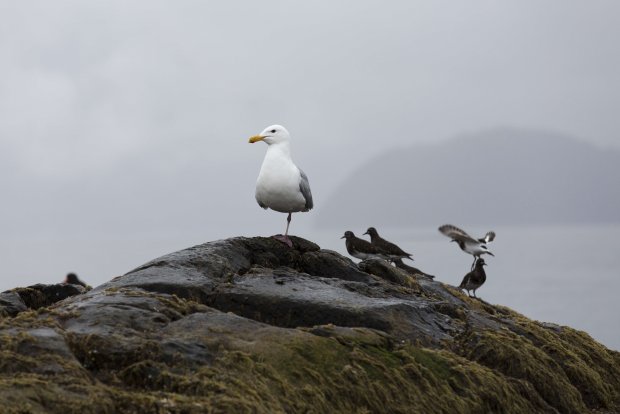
(273, 134)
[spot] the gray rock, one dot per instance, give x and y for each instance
(11, 303)
(250, 325)
(36, 296)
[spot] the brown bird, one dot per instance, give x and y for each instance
(388, 249)
(72, 279)
(411, 270)
(360, 248)
(474, 279)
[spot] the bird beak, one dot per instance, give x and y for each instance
(343, 237)
(491, 254)
(256, 138)
(366, 233)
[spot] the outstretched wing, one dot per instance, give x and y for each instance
(455, 233)
(304, 187)
(489, 237)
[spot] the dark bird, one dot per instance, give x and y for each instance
(72, 279)
(360, 248)
(388, 249)
(475, 247)
(411, 270)
(474, 279)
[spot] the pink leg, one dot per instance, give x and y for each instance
(285, 239)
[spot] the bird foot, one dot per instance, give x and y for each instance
(284, 239)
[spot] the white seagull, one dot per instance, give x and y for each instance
(281, 185)
(475, 247)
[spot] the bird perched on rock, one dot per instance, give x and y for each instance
(475, 247)
(474, 279)
(388, 249)
(411, 270)
(281, 185)
(72, 279)
(360, 248)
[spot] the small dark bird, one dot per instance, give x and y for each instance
(360, 248)
(474, 279)
(411, 270)
(475, 247)
(387, 248)
(72, 279)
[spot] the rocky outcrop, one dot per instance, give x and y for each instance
(36, 296)
(249, 325)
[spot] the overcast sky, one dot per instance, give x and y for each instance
(126, 122)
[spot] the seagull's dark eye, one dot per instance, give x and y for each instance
(273, 131)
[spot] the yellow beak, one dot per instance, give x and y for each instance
(256, 138)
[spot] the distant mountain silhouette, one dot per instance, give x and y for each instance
(501, 176)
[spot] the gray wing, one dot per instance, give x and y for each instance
(455, 233)
(304, 187)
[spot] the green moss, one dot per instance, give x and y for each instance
(318, 374)
(432, 361)
(516, 357)
(589, 366)
(110, 352)
(43, 393)
(604, 362)
(350, 371)
(530, 368)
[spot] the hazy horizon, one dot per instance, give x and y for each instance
(497, 176)
(101, 248)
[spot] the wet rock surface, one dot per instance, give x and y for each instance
(249, 325)
(36, 296)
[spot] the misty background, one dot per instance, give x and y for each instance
(124, 127)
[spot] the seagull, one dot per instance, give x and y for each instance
(389, 249)
(281, 185)
(72, 279)
(475, 247)
(475, 278)
(360, 248)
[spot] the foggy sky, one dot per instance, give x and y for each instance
(128, 121)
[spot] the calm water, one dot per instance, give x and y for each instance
(563, 274)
